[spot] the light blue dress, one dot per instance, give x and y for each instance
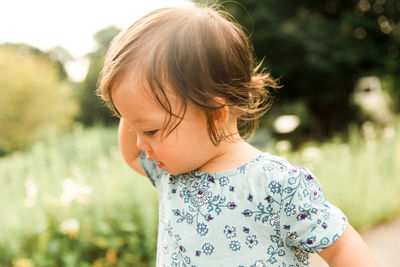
(263, 213)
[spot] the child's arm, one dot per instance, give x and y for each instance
(349, 251)
(127, 145)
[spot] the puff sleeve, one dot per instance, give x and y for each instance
(309, 223)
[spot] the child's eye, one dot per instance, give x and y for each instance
(150, 133)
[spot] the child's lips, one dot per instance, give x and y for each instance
(150, 158)
(160, 164)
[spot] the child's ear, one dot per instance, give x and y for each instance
(221, 115)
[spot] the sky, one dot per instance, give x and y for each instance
(71, 24)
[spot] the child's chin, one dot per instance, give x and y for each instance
(175, 172)
(172, 172)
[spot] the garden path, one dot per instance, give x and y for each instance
(384, 242)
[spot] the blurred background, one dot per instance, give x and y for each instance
(67, 198)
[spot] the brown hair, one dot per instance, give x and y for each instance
(199, 53)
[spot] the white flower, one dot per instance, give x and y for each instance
(311, 153)
(31, 193)
(368, 130)
(102, 163)
(283, 146)
(72, 190)
(344, 149)
(70, 227)
(286, 124)
(389, 133)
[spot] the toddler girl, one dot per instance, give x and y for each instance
(183, 82)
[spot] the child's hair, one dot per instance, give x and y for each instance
(196, 51)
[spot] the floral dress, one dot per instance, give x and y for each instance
(263, 213)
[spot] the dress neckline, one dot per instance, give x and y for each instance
(233, 171)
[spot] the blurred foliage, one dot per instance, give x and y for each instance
(391, 84)
(33, 100)
(93, 109)
(73, 205)
(58, 55)
(319, 49)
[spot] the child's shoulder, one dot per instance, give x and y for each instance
(280, 171)
(276, 166)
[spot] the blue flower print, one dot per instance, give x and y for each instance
(247, 213)
(251, 241)
(309, 177)
(234, 245)
(231, 205)
(269, 199)
(302, 256)
(303, 216)
(275, 187)
(208, 217)
(189, 218)
(202, 229)
(293, 235)
(258, 263)
(335, 237)
(273, 220)
(207, 248)
(174, 256)
(201, 198)
(290, 209)
(230, 231)
(242, 168)
(275, 165)
(277, 250)
(234, 221)
(178, 257)
(223, 181)
(311, 240)
(268, 167)
(176, 212)
(182, 216)
(264, 213)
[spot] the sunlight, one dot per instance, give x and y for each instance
(46, 24)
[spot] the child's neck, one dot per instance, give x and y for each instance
(230, 155)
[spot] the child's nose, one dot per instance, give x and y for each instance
(141, 145)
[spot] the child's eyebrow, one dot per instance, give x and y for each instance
(145, 120)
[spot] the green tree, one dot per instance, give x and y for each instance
(320, 48)
(58, 55)
(93, 109)
(33, 100)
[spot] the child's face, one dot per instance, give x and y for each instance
(186, 148)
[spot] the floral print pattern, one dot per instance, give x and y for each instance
(251, 240)
(265, 213)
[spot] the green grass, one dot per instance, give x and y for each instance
(119, 217)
